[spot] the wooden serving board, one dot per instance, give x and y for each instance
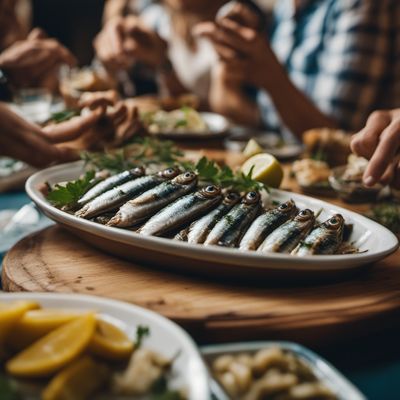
(54, 260)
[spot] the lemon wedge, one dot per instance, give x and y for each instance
(110, 342)
(36, 323)
(265, 168)
(53, 351)
(78, 381)
(252, 148)
(10, 313)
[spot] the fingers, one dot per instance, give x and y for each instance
(37, 33)
(388, 146)
(73, 128)
(365, 142)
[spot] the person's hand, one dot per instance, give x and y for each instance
(36, 146)
(247, 51)
(124, 41)
(379, 142)
(35, 59)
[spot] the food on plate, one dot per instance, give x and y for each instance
(198, 231)
(182, 120)
(270, 373)
(312, 175)
(252, 148)
(120, 194)
(323, 239)
(184, 210)
(329, 145)
(187, 207)
(229, 229)
(266, 223)
(150, 202)
(264, 168)
(347, 181)
(77, 354)
(285, 238)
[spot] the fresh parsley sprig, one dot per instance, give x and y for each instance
(68, 195)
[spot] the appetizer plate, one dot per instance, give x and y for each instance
(218, 127)
(324, 371)
(373, 240)
(167, 338)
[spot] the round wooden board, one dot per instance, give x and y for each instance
(54, 260)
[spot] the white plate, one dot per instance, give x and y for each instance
(324, 371)
(218, 127)
(166, 337)
(374, 241)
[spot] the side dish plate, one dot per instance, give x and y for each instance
(373, 240)
(166, 337)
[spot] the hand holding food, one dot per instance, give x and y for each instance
(379, 142)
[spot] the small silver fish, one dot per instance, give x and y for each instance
(229, 229)
(181, 211)
(199, 230)
(323, 239)
(121, 194)
(266, 223)
(153, 200)
(285, 238)
(109, 183)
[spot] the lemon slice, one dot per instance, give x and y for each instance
(110, 342)
(54, 350)
(252, 148)
(10, 313)
(265, 168)
(78, 380)
(36, 323)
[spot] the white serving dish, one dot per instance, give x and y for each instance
(373, 240)
(218, 127)
(189, 371)
(324, 371)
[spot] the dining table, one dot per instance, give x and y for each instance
(371, 359)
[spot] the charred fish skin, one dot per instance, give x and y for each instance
(285, 238)
(199, 230)
(110, 183)
(119, 195)
(153, 200)
(266, 223)
(324, 239)
(181, 211)
(229, 229)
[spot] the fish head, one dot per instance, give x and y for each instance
(210, 191)
(306, 217)
(232, 198)
(335, 224)
(137, 172)
(188, 178)
(251, 198)
(170, 173)
(288, 207)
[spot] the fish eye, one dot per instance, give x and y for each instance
(305, 212)
(188, 174)
(211, 189)
(251, 195)
(283, 206)
(333, 221)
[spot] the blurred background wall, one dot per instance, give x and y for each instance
(73, 22)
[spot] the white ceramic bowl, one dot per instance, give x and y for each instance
(166, 337)
(373, 240)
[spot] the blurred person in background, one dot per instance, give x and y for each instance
(379, 141)
(162, 40)
(324, 64)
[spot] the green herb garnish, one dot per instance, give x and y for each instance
(142, 332)
(387, 214)
(62, 116)
(68, 195)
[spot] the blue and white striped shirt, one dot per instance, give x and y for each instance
(343, 54)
